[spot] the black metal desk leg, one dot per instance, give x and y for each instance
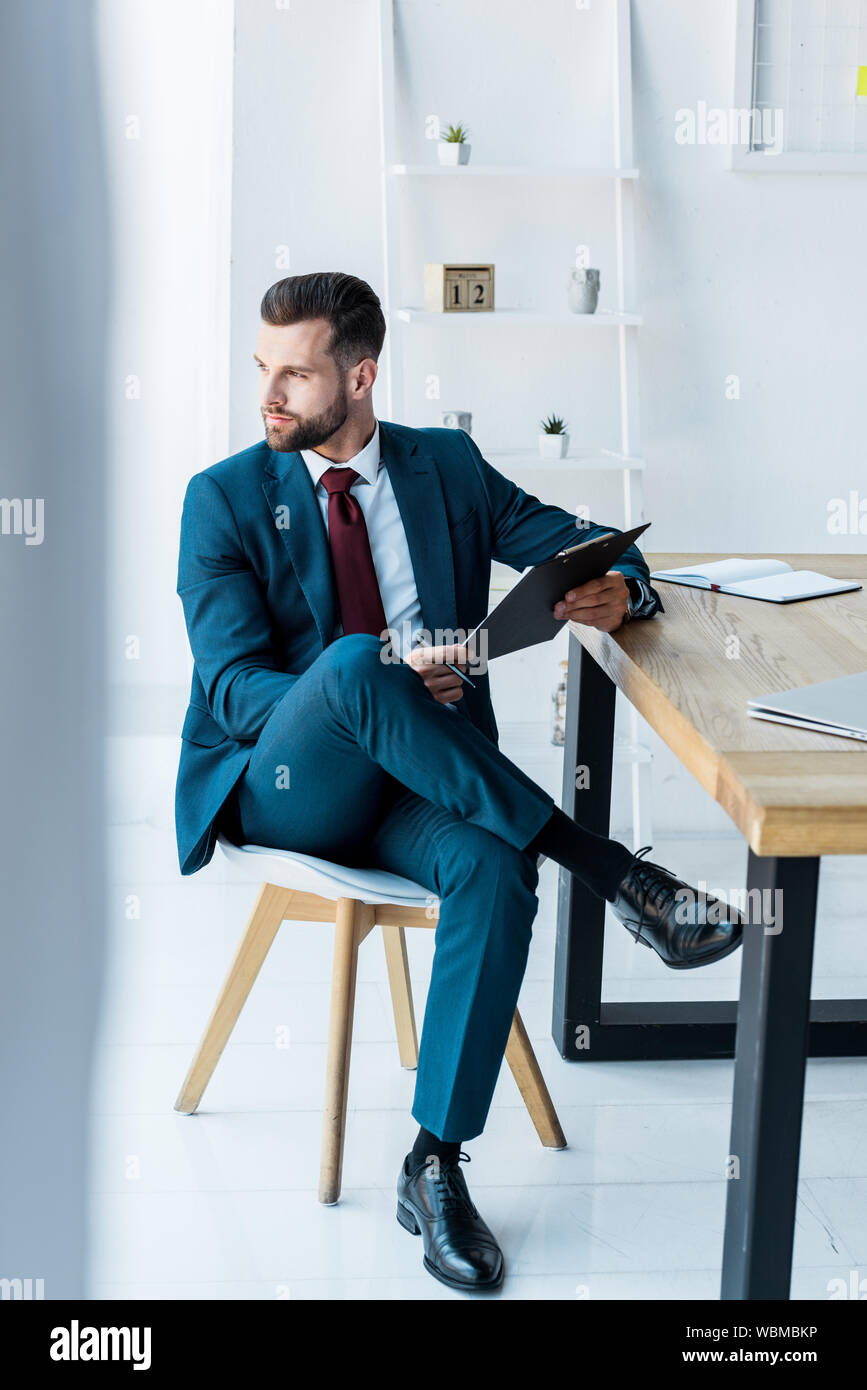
(770, 1062)
(587, 760)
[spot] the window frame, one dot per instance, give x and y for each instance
(741, 158)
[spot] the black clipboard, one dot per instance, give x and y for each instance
(524, 617)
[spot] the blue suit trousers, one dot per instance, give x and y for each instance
(359, 764)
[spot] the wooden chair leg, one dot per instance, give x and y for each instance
(531, 1084)
(400, 984)
(260, 931)
(354, 921)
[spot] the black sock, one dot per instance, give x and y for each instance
(599, 862)
(426, 1145)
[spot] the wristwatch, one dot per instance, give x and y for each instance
(636, 598)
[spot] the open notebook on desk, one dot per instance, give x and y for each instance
(772, 580)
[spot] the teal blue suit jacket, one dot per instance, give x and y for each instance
(260, 602)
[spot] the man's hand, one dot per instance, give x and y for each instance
(442, 683)
(602, 603)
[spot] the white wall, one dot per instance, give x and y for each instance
(166, 82)
(305, 191)
(760, 275)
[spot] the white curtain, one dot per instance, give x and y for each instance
(54, 289)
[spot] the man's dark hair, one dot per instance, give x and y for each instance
(349, 305)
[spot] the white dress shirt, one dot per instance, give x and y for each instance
(388, 544)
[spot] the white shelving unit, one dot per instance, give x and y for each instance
(622, 454)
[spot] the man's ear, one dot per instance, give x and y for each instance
(364, 375)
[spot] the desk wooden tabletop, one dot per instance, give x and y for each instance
(691, 670)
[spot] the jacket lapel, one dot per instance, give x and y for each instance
(288, 488)
(418, 491)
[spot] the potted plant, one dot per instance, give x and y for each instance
(453, 147)
(553, 441)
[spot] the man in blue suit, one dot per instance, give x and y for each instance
(308, 564)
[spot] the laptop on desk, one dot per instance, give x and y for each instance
(831, 707)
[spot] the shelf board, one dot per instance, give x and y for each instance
(626, 752)
(603, 318)
(574, 171)
(604, 459)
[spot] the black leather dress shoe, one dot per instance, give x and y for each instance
(685, 927)
(459, 1249)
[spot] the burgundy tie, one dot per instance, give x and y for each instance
(361, 607)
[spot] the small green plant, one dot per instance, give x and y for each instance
(455, 134)
(553, 425)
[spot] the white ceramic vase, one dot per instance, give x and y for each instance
(583, 291)
(458, 420)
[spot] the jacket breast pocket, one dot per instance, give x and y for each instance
(465, 526)
(200, 727)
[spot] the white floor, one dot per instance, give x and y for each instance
(223, 1204)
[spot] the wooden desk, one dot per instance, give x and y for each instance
(795, 795)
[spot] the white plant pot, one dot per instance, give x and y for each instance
(451, 152)
(553, 446)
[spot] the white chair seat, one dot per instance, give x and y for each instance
(305, 874)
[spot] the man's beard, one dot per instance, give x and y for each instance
(307, 433)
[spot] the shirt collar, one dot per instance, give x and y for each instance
(365, 463)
